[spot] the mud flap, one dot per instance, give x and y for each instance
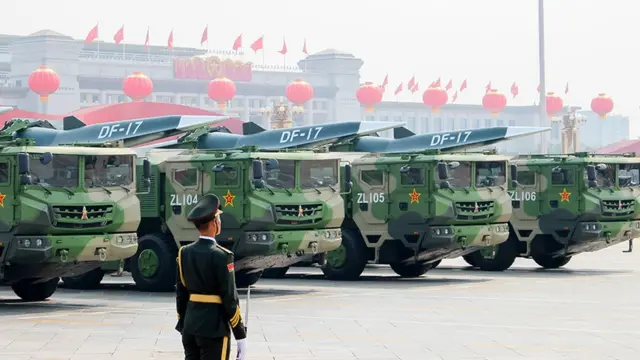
(630, 247)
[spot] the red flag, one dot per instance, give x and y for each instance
(92, 35)
(463, 85)
(411, 82)
(170, 40)
(238, 43)
(257, 45)
(205, 35)
(437, 83)
(455, 96)
(146, 40)
(284, 47)
(385, 82)
(304, 47)
(119, 36)
(449, 85)
(514, 89)
(487, 88)
(566, 88)
(415, 88)
(398, 89)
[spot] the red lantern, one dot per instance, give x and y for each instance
(554, 104)
(299, 92)
(602, 105)
(435, 97)
(494, 101)
(44, 82)
(221, 90)
(137, 86)
(369, 95)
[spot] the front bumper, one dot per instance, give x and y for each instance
(593, 236)
(308, 242)
(71, 248)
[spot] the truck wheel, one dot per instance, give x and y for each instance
(410, 270)
(470, 259)
(505, 255)
(275, 273)
(435, 264)
(348, 261)
(153, 267)
(548, 262)
(244, 280)
(88, 280)
(28, 291)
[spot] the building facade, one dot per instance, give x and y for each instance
(92, 75)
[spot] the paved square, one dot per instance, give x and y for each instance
(589, 310)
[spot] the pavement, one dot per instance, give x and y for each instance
(587, 310)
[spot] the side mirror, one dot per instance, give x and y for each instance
(24, 165)
(405, 169)
(271, 164)
(258, 173)
(146, 169)
(514, 175)
(443, 173)
(453, 164)
(218, 168)
(347, 178)
(591, 176)
(601, 167)
(46, 158)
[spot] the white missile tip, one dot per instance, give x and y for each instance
(516, 131)
(192, 121)
(5, 109)
(369, 127)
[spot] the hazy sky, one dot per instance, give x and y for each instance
(592, 44)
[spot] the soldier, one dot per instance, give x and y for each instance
(206, 294)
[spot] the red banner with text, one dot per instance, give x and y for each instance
(211, 67)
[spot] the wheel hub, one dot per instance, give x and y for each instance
(148, 263)
(337, 258)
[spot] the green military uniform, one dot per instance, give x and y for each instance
(206, 294)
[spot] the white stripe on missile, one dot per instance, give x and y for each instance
(188, 122)
(370, 127)
(518, 131)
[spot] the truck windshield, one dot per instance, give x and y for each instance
(284, 177)
(629, 174)
(62, 171)
(491, 173)
(108, 170)
(318, 173)
(459, 176)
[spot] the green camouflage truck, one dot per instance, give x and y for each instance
(565, 205)
(279, 208)
(64, 211)
(412, 210)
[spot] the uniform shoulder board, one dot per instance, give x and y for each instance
(224, 249)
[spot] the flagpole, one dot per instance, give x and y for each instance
(98, 43)
(208, 44)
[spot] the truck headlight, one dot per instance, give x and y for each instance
(27, 243)
(38, 242)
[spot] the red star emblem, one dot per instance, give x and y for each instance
(228, 199)
(619, 205)
(475, 208)
(2, 196)
(565, 195)
(84, 213)
(415, 196)
(230, 267)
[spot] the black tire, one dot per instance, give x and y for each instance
(244, 280)
(410, 270)
(505, 257)
(470, 259)
(435, 264)
(88, 280)
(275, 273)
(164, 277)
(548, 262)
(28, 291)
(356, 259)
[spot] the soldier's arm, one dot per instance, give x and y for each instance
(229, 296)
(182, 295)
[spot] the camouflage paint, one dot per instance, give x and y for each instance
(254, 226)
(44, 235)
(422, 222)
(568, 219)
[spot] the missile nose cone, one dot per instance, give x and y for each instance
(4, 109)
(517, 131)
(194, 121)
(375, 126)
